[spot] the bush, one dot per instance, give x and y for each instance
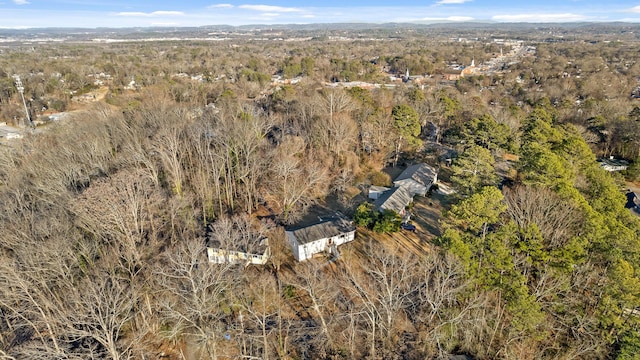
(380, 178)
(387, 222)
(633, 171)
(364, 215)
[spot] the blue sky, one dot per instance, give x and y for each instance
(121, 13)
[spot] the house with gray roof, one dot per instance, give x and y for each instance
(395, 199)
(417, 179)
(414, 180)
(324, 236)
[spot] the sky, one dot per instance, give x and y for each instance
(145, 13)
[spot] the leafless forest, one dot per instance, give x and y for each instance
(133, 152)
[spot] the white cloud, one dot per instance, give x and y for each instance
(270, 8)
(635, 9)
(151, 14)
(447, 2)
(220, 6)
(540, 17)
(270, 14)
(165, 24)
(20, 2)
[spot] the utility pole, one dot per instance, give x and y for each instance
(20, 88)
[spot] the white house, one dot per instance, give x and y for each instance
(417, 179)
(237, 240)
(257, 254)
(321, 237)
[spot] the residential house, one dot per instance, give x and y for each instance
(417, 179)
(322, 237)
(254, 251)
(452, 74)
(396, 199)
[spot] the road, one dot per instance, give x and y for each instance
(6, 132)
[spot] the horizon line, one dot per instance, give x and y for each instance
(408, 23)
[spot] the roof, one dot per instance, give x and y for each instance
(614, 164)
(395, 199)
(324, 229)
(247, 245)
(374, 188)
(421, 173)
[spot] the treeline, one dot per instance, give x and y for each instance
(591, 84)
(554, 249)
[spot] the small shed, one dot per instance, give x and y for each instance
(376, 191)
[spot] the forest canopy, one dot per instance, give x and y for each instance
(106, 214)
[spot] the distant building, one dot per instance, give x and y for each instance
(322, 237)
(452, 74)
(456, 72)
(12, 135)
(469, 70)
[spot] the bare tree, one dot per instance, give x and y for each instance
(295, 181)
(168, 144)
(319, 287)
(557, 219)
(100, 309)
(258, 299)
(384, 289)
(123, 210)
(190, 296)
(439, 303)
